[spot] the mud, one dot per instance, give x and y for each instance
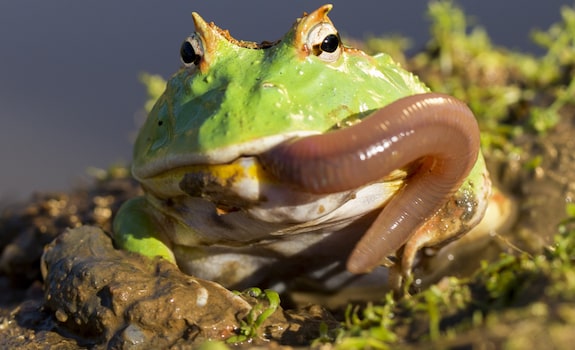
(99, 297)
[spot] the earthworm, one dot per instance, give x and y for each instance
(437, 130)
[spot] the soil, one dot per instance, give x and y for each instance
(95, 296)
(109, 293)
(86, 294)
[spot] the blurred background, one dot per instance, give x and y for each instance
(69, 89)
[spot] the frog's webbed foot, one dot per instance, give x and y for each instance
(458, 216)
(400, 275)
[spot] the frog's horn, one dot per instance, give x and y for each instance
(305, 24)
(319, 15)
(210, 35)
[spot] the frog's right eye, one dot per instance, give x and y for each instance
(191, 51)
(324, 42)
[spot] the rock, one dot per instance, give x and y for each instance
(122, 299)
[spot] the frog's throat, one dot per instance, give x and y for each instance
(221, 155)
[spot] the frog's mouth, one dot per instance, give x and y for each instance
(226, 175)
(230, 186)
(149, 166)
(245, 185)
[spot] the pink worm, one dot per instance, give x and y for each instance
(436, 129)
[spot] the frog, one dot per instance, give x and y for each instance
(303, 159)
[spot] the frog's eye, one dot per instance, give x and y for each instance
(324, 42)
(191, 51)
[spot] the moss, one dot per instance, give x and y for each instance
(518, 301)
(269, 302)
(155, 86)
(510, 92)
(530, 292)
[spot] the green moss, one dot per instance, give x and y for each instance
(269, 302)
(527, 296)
(515, 289)
(393, 45)
(155, 86)
(510, 92)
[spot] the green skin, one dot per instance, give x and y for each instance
(219, 110)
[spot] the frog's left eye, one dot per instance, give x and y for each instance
(191, 51)
(324, 42)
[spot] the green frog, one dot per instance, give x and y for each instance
(301, 159)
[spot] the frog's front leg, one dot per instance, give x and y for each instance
(138, 227)
(436, 131)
